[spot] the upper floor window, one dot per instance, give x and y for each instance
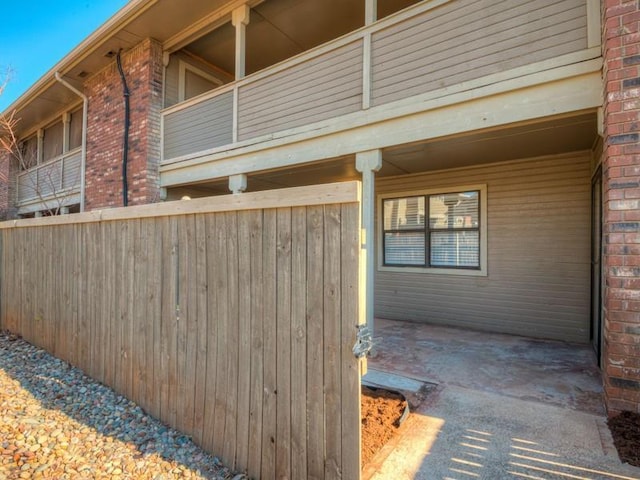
(434, 230)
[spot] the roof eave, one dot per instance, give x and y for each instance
(122, 17)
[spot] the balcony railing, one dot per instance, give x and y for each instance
(55, 178)
(434, 46)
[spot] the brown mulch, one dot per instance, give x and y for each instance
(381, 412)
(625, 430)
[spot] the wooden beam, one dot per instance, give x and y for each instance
(492, 106)
(341, 192)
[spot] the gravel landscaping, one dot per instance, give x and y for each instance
(57, 423)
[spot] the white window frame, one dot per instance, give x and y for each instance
(481, 272)
(182, 71)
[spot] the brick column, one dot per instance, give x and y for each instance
(621, 197)
(142, 66)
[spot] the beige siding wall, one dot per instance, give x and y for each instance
(451, 44)
(205, 125)
(538, 254)
(325, 87)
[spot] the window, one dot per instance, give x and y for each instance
(434, 230)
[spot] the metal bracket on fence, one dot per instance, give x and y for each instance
(364, 341)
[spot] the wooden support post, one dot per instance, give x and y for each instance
(66, 133)
(40, 150)
(240, 20)
(238, 183)
(368, 163)
(370, 11)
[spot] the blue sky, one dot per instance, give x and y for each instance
(37, 34)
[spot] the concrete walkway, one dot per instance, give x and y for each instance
(505, 407)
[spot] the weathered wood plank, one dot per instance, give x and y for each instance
(152, 234)
(212, 331)
(185, 334)
(315, 342)
(167, 315)
(257, 347)
(269, 276)
(350, 318)
(284, 333)
(245, 221)
(201, 289)
(138, 310)
(221, 283)
(230, 426)
(298, 342)
(340, 192)
(332, 343)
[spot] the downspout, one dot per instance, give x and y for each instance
(125, 141)
(83, 155)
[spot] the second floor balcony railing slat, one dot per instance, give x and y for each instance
(204, 125)
(58, 176)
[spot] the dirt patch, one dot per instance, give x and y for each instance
(381, 413)
(625, 430)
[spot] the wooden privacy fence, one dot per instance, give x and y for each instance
(230, 318)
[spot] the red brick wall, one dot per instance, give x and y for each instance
(143, 69)
(621, 184)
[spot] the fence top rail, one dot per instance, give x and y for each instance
(324, 194)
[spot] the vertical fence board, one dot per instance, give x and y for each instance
(315, 343)
(298, 343)
(256, 373)
(245, 219)
(212, 332)
(230, 425)
(269, 358)
(138, 312)
(235, 326)
(186, 347)
(222, 322)
(201, 291)
(332, 342)
(153, 319)
(283, 345)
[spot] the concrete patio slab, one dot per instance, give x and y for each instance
(552, 372)
(505, 408)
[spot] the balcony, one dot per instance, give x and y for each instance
(52, 182)
(432, 50)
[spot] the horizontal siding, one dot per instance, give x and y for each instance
(324, 87)
(72, 171)
(451, 44)
(538, 254)
(205, 125)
